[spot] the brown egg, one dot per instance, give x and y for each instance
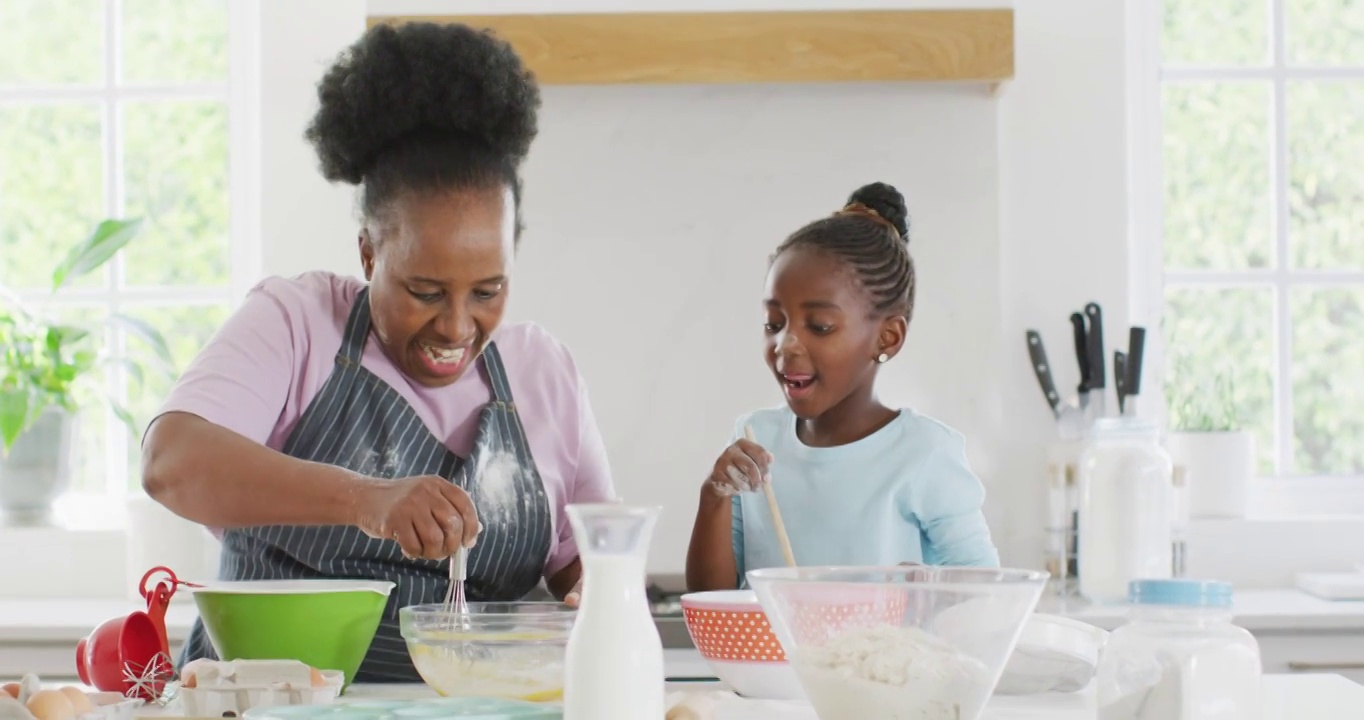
(51, 705)
(11, 689)
(80, 702)
(317, 679)
(189, 673)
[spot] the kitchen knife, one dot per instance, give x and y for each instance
(1077, 322)
(1120, 376)
(1136, 348)
(1038, 354)
(1097, 357)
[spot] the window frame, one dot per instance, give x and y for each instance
(1280, 494)
(239, 95)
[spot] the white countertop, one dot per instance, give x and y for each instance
(1284, 610)
(1287, 697)
(1287, 610)
(1319, 697)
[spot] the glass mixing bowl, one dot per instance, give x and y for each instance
(880, 643)
(511, 650)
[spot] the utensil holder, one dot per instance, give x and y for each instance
(1063, 507)
(1180, 531)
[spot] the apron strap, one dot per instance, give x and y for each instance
(357, 329)
(497, 374)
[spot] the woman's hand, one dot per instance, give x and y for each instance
(574, 596)
(742, 467)
(428, 516)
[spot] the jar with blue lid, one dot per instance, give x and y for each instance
(1179, 656)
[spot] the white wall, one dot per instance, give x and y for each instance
(651, 212)
(306, 222)
(1064, 211)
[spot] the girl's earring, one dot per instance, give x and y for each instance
(882, 358)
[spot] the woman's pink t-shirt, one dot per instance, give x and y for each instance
(258, 374)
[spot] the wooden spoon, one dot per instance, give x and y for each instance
(776, 512)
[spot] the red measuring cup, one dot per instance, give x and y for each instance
(130, 654)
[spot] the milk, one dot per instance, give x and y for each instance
(614, 659)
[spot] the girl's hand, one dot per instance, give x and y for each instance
(742, 467)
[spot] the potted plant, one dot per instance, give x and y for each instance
(1209, 446)
(49, 372)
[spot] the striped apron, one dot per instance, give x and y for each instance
(360, 423)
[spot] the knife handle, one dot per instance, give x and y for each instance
(1120, 377)
(1097, 354)
(1038, 355)
(1077, 322)
(1136, 347)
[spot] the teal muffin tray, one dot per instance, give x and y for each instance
(426, 709)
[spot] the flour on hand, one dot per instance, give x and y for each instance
(892, 673)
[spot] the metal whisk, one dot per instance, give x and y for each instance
(456, 608)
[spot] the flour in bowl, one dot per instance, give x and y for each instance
(892, 673)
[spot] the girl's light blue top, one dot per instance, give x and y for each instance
(903, 494)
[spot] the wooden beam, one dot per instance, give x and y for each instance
(756, 47)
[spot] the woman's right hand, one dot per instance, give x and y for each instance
(742, 467)
(428, 516)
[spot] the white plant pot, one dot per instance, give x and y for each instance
(37, 469)
(1218, 467)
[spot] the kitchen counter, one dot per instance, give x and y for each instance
(1287, 697)
(1319, 697)
(1255, 610)
(1297, 632)
(66, 621)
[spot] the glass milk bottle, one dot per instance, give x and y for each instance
(1179, 657)
(1126, 513)
(613, 665)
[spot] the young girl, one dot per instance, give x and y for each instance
(858, 483)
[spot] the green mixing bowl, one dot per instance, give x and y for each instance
(328, 624)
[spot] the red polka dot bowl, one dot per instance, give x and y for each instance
(732, 633)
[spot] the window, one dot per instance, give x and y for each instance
(120, 108)
(1249, 164)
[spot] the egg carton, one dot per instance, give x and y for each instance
(112, 706)
(235, 700)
